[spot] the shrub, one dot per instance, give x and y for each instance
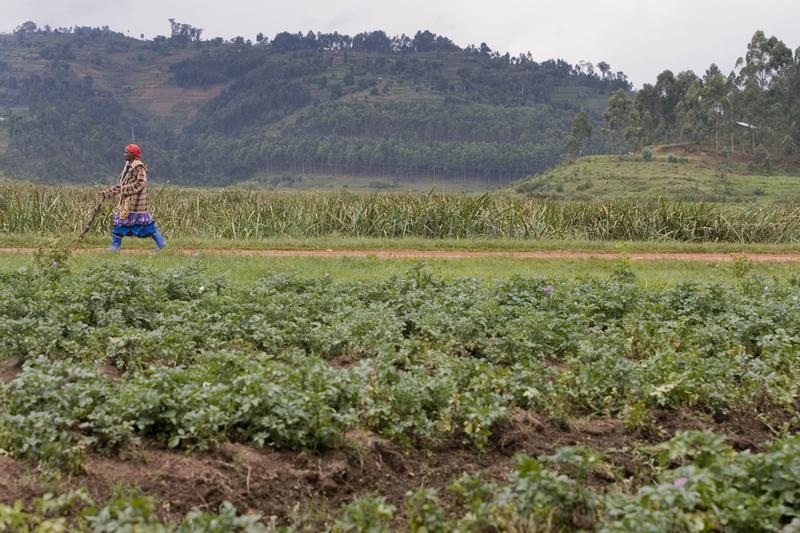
(722, 169)
(761, 160)
(789, 146)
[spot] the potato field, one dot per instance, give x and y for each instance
(140, 400)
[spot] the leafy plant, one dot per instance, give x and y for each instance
(367, 514)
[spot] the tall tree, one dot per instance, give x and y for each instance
(691, 114)
(581, 130)
(605, 68)
(715, 101)
(618, 118)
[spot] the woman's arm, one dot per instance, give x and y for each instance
(136, 186)
(108, 193)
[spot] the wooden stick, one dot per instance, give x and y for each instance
(96, 211)
(90, 220)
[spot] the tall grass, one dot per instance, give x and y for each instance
(243, 214)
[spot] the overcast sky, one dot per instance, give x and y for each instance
(642, 38)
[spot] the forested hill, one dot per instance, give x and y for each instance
(215, 111)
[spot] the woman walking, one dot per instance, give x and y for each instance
(132, 217)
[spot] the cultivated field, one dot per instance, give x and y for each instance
(213, 391)
(527, 404)
(256, 214)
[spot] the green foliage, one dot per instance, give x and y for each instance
(688, 181)
(637, 418)
(617, 119)
(336, 90)
(59, 103)
(722, 169)
(789, 146)
(576, 462)
(245, 215)
(367, 514)
(532, 498)
(296, 363)
(571, 146)
(762, 160)
(432, 360)
(432, 123)
(45, 514)
(76, 511)
(581, 130)
(647, 154)
(392, 155)
(749, 108)
(206, 68)
(424, 513)
(227, 520)
(59, 410)
(48, 407)
(715, 489)
(701, 448)
(136, 513)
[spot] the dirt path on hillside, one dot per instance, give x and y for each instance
(710, 257)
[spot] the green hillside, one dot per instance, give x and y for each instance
(679, 176)
(217, 112)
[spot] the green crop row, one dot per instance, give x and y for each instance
(76, 511)
(242, 214)
(703, 485)
(420, 360)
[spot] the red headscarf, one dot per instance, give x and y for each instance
(135, 150)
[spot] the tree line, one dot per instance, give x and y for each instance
(183, 35)
(212, 156)
(429, 122)
(754, 109)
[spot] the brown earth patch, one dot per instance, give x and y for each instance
(9, 369)
(278, 482)
(18, 481)
(345, 360)
(743, 427)
(163, 100)
(527, 433)
(109, 370)
(272, 482)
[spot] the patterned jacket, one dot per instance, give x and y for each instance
(132, 188)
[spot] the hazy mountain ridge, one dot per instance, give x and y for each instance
(217, 112)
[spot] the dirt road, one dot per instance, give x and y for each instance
(711, 257)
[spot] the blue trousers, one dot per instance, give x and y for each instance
(149, 230)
